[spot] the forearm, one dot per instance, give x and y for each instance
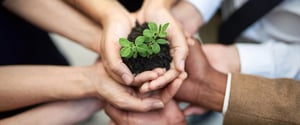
(262, 101)
(56, 113)
(27, 85)
(161, 3)
(276, 59)
(58, 17)
(99, 10)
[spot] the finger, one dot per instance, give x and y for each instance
(191, 42)
(195, 110)
(144, 77)
(169, 92)
(160, 82)
(179, 45)
(148, 76)
(132, 103)
(120, 72)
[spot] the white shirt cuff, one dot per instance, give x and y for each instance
(272, 59)
(207, 8)
(256, 59)
(227, 94)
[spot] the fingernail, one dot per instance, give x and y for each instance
(158, 105)
(127, 79)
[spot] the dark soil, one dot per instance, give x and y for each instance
(140, 64)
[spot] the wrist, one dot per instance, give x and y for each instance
(77, 85)
(216, 83)
(99, 10)
(167, 4)
(219, 85)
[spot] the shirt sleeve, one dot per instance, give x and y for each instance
(207, 8)
(272, 59)
(227, 94)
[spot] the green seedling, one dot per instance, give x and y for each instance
(145, 45)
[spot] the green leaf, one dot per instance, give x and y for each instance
(148, 39)
(152, 26)
(148, 33)
(139, 40)
(162, 34)
(162, 41)
(159, 29)
(124, 42)
(164, 27)
(155, 48)
(126, 52)
(142, 48)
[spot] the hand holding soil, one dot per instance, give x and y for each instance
(154, 11)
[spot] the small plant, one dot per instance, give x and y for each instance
(145, 45)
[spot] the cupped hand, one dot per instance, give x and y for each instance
(121, 96)
(116, 23)
(156, 11)
(170, 115)
(68, 112)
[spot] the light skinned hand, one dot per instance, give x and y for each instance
(160, 13)
(223, 58)
(170, 115)
(121, 96)
(116, 23)
(57, 113)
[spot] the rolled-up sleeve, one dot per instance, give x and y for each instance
(272, 59)
(207, 8)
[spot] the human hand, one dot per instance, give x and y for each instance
(223, 58)
(117, 23)
(125, 97)
(57, 113)
(189, 17)
(170, 115)
(159, 12)
(204, 86)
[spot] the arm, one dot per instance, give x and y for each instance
(58, 17)
(272, 59)
(116, 23)
(263, 101)
(252, 100)
(27, 85)
(192, 14)
(57, 113)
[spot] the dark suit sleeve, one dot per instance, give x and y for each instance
(260, 101)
